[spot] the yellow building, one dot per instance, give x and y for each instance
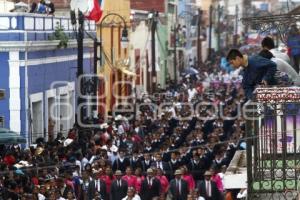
(112, 88)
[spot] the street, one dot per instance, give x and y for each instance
(143, 100)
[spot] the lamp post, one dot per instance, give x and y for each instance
(153, 17)
(199, 39)
(219, 27)
(124, 36)
(175, 53)
(110, 19)
(80, 37)
(236, 26)
(210, 31)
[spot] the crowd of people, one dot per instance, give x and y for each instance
(142, 157)
(42, 7)
(180, 153)
(39, 7)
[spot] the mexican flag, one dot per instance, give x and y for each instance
(95, 9)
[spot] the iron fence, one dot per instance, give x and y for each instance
(273, 156)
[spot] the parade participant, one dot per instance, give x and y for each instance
(151, 187)
(208, 189)
(178, 187)
(188, 178)
(163, 181)
(129, 178)
(118, 188)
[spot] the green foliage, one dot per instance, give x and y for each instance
(60, 35)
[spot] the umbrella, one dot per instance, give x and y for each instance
(10, 137)
(190, 71)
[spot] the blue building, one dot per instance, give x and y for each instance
(37, 77)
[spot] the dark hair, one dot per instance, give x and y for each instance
(33, 7)
(268, 42)
(51, 6)
(233, 53)
(266, 54)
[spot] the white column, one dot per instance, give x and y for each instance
(14, 92)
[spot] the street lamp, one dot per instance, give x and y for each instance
(80, 37)
(124, 38)
(109, 19)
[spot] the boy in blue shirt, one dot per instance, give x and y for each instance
(257, 70)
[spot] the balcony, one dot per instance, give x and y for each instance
(36, 27)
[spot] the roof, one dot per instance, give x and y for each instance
(295, 11)
(157, 5)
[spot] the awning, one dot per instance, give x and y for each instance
(127, 72)
(10, 137)
(295, 11)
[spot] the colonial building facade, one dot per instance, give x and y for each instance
(39, 78)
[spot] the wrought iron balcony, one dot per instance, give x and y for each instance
(272, 135)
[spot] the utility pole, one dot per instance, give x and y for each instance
(210, 31)
(236, 25)
(80, 37)
(95, 81)
(199, 42)
(153, 55)
(246, 8)
(219, 29)
(175, 48)
(227, 34)
(175, 54)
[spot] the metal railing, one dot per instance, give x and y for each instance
(273, 157)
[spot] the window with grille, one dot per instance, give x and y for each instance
(1, 121)
(2, 94)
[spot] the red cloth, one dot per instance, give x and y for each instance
(164, 183)
(136, 138)
(217, 179)
(190, 180)
(199, 88)
(131, 181)
(95, 12)
(108, 181)
(110, 129)
(35, 180)
(139, 181)
(70, 184)
(9, 160)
